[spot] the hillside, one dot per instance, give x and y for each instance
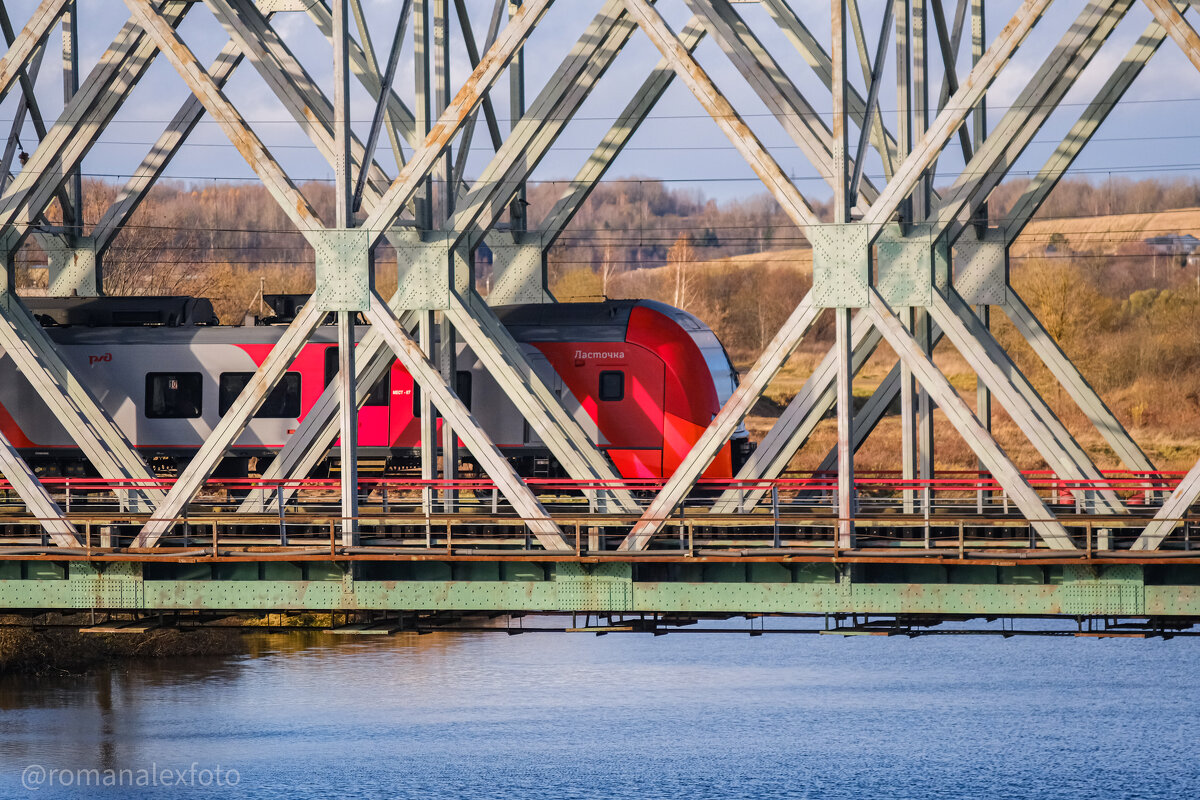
(1129, 318)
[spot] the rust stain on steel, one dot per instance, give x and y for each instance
(40, 22)
(209, 94)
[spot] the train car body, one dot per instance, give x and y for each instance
(643, 379)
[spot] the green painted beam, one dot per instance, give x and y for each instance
(1121, 590)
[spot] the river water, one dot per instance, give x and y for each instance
(484, 715)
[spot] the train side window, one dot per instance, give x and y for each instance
(381, 391)
(173, 395)
(612, 385)
(462, 388)
(283, 401)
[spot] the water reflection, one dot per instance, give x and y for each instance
(486, 715)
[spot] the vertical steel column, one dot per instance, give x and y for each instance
(922, 200)
(983, 396)
(345, 319)
(845, 426)
(448, 354)
(983, 407)
(422, 205)
(516, 110)
(428, 419)
(423, 199)
(978, 44)
(841, 215)
(904, 140)
(70, 63)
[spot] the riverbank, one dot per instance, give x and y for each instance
(52, 644)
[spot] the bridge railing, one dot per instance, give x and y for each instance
(958, 491)
(961, 510)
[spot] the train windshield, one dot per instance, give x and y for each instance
(724, 375)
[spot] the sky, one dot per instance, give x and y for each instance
(1153, 132)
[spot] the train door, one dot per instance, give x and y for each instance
(629, 410)
(373, 416)
(574, 405)
(404, 425)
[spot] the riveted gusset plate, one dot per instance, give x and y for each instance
(72, 266)
(597, 587)
(1117, 590)
(906, 266)
(278, 6)
(520, 272)
(423, 270)
(343, 268)
(910, 266)
(981, 268)
(841, 264)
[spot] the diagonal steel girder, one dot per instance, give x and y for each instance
(816, 397)
(290, 199)
(367, 72)
(726, 117)
(1032, 415)
(57, 155)
(251, 32)
(105, 445)
(18, 123)
(29, 103)
(1025, 406)
(381, 102)
(490, 458)
(14, 62)
(577, 191)
(770, 82)
(1183, 34)
(1173, 512)
(627, 123)
(1029, 411)
(1077, 386)
(960, 104)
(530, 139)
(1041, 518)
(508, 42)
(1176, 505)
(1017, 128)
(1081, 133)
(165, 148)
(271, 174)
(87, 114)
(293, 203)
(793, 330)
(37, 500)
(535, 133)
(798, 420)
(821, 63)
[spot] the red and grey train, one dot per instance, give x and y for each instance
(643, 379)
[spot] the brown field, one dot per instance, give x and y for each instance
(1129, 319)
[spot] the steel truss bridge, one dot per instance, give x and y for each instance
(900, 264)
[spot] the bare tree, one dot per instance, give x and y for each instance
(680, 258)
